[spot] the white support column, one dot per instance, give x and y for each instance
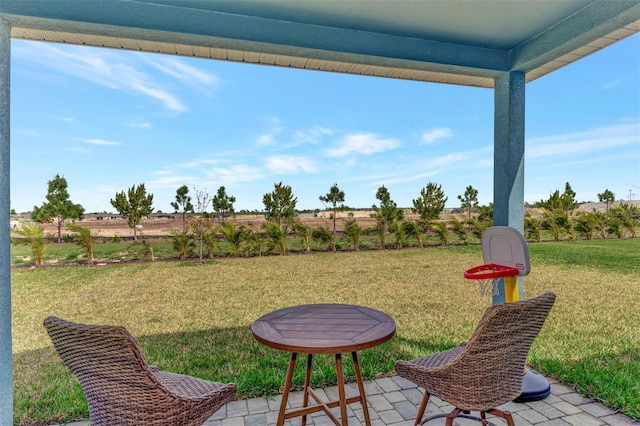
(6, 364)
(508, 157)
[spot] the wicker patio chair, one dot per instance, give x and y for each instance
(122, 389)
(486, 371)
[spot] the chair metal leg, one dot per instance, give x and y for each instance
(452, 415)
(483, 418)
(506, 415)
(421, 410)
(464, 414)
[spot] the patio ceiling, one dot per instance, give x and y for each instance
(466, 42)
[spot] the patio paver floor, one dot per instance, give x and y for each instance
(394, 401)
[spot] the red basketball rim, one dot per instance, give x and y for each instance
(490, 270)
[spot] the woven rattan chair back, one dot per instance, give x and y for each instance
(487, 370)
(121, 388)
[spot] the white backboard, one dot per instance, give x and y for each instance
(506, 246)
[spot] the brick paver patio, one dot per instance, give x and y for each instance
(394, 401)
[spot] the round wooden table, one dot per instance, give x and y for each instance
(323, 329)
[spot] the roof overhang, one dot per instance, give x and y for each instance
(465, 42)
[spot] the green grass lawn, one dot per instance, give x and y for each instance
(196, 319)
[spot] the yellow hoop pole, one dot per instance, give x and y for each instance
(511, 290)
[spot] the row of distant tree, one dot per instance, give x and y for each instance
(558, 221)
(280, 205)
(280, 214)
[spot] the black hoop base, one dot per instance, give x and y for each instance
(534, 387)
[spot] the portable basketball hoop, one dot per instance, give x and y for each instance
(489, 277)
(506, 257)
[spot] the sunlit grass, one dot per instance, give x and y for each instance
(196, 319)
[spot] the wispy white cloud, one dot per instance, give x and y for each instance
(311, 136)
(614, 83)
(231, 175)
(286, 138)
(100, 66)
(269, 137)
(100, 142)
(186, 74)
(169, 180)
(362, 143)
(141, 125)
(431, 136)
(479, 158)
(287, 164)
(204, 173)
(587, 142)
(265, 139)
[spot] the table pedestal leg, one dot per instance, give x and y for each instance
(341, 392)
(287, 387)
(363, 398)
(321, 405)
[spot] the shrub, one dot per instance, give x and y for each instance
(183, 243)
(325, 236)
(83, 239)
(35, 239)
(147, 249)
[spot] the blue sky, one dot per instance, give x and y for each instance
(108, 119)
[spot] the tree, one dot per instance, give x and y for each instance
(223, 204)
(568, 198)
(557, 202)
(386, 214)
(183, 204)
(334, 196)
(133, 206)
(485, 213)
(202, 201)
(469, 200)
(607, 197)
(58, 206)
(353, 231)
(431, 203)
(279, 205)
(388, 208)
